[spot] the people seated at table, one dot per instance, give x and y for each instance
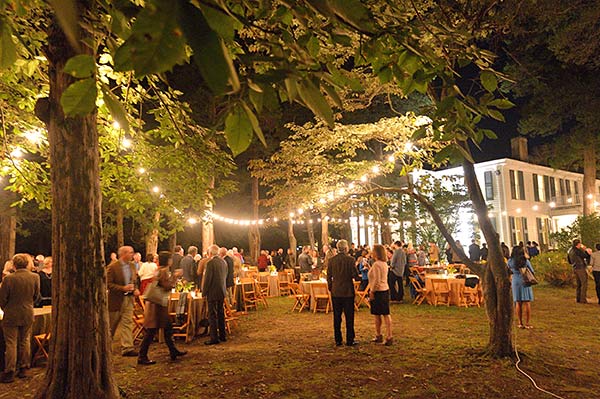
(45, 283)
(379, 295)
(147, 270)
(18, 292)
(214, 289)
(522, 294)
(120, 279)
(156, 315)
(340, 280)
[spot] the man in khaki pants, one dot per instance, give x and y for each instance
(18, 291)
(120, 278)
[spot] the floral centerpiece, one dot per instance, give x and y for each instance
(184, 286)
(272, 269)
(451, 269)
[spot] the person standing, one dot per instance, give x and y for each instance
(305, 261)
(484, 252)
(474, 251)
(396, 273)
(188, 265)
(120, 279)
(379, 295)
(147, 270)
(434, 253)
(278, 260)
(157, 316)
(577, 257)
(595, 263)
(340, 280)
(177, 257)
(263, 261)
(522, 294)
(214, 289)
(229, 282)
(46, 282)
(18, 292)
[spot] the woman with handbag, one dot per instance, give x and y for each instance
(522, 293)
(379, 295)
(156, 314)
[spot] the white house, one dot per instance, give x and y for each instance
(527, 201)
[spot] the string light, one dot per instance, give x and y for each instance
(141, 171)
(116, 125)
(34, 136)
(391, 159)
(364, 178)
(192, 221)
(126, 143)
(376, 169)
(155, 189)
(16, 153)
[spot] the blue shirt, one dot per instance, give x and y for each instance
(126, 272)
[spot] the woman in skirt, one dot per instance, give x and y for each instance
(379, 295)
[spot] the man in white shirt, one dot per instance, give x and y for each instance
(595, 263)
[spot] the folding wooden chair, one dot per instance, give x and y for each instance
(263, 283)
(319, 294)
(292, 274)
(284, 280)
(261, 297)
(360, 297)
(420, 290)
(231, 317)
(41, 341)
(471, 296)
(301, 299)
(181, 329)
(138, 319)
(440, 288)
(249, 298)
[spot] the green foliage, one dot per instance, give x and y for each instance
(553, 268)
(8, 51)
(80, 66)
(80, 97)
(238, 130)
(586, 228)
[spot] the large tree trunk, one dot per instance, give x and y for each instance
(310, 230)
(589, 179)
(324, 229)
(208, 225)
(152, 238)
(8, 224)
(293, 242)
(254, 230)
(80, 359)
(386, 232)
(172, 241)
(120, 232)
(496, 284)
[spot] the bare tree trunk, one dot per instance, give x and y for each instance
(293, 242)
(120, 233)
(497, 289)
(8, 225)
(152, 238)
(589, 179)
(172, 241)
(311, 231)
(386, 232)
(80, 359)
(254, 231)
(324, 229)
(208, 226)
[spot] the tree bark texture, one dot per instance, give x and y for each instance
(254, 231)
(120, 232)
(589, 179)
(386, 232)
(496, 284)
(310, 230)
(152, 238)
(324, 230)
(208, 226)
(80, 359)
(8, 225)
(172, 241)
(293, 242)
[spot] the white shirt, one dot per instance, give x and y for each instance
(147, 270)
(595, 261)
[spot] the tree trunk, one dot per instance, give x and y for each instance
(120, 233)
(496, 284)
(172, 241)
(208, 225)
(386, 232)
(253, 231)
(152, 238)
(324, 229)
(293, 242)
(589, 179)
(310, 230)
(8, 224)
(80, 356)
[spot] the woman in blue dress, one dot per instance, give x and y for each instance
(522, 294)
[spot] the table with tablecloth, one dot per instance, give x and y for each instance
(305, 287)
(273, 280)
(455, 283)
(198, 311)
(42, 323)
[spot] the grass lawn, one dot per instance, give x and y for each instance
(276, 354)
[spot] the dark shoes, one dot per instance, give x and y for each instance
(130, 353)
(22, 373)
(224, 339)
(177, 354)
(7, 377)
(145, 362)
(353, 343)
(211, 342)
(378, 339)
(339, 343)
(389, 342)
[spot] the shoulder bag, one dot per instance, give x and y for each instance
(528, 276)
(156, 294)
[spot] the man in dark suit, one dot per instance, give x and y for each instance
(214, 289)
(305, 262)
(177, 257)
(341, 274)
(229, 282)
(120, 278)
(18, 291)
(189, 265)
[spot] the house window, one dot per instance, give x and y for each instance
(517, 187)
(489, 185)
(539, 192)
(561, 184)
(552, 187)
(543, 227)
(576, 190)
(518, 227)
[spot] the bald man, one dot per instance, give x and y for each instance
(120, 279)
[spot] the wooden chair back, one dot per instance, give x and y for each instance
(440, 288)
